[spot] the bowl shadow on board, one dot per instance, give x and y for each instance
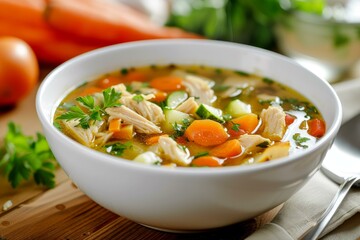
(237, 231)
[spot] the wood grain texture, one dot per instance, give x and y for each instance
(66, 213)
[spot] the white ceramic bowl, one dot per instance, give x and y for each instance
(184, 199)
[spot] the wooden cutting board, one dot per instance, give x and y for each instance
(67, 213)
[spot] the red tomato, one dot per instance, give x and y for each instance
(19, 70)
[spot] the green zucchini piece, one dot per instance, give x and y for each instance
(205, 111)
(237, 108)
(173, 116)
(175, 98)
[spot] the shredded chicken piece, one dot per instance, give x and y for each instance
(87, 136)
(235, 85)
(140, 87)
(273, 123)
(267, 97)
(121, 88)
(141, 124)
(148, 110)
(278, 150)
(172, 151)
(198, 87)
(102, 137)
(252, 141)
(188, 106)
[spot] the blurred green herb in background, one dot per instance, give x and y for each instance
(23, 157)
(244, 21)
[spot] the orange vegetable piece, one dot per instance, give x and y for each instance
(244, 124)
(206, 133)
(135, 76)
(289, 119)
(167, 83)
(115, 125)
(90, 91)
(154, 139)
(206, 161)
(228, 149)
(126, 132)
(108, 82)
(181, 140)
(316, 127)
(159, 96)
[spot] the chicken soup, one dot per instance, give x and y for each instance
(189, 116)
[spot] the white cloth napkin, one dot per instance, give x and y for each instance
(303, 209)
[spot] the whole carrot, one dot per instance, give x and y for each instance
(106, 21)
(23, 11)
(49, 46)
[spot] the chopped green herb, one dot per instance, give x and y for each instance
(340, 39)
(268, 80)
(124, 71)
(129, 88)
(23, 156)
(218, 71)
(264, 144)
(138, 98)
(180, 128)
(242, 73)
(235, 127)
(201, 154)
(111, 98)
(118, 148)
(76, 113)
(299, 140)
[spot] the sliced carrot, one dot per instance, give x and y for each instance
(90, 91)
(206, 161)
(108, 82)
(244, 124)
(153, 139)
(159, 96)
(289, 119)
(115, 125)
(206, 133)
(228, 149)
(136, 76)
(167, 83)
(96, 19)
(126, 132)
(316, 127)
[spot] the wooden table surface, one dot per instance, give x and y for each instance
(64, 212)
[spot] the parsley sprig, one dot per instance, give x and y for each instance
(300, 140)
(23, 156)
(92, 111)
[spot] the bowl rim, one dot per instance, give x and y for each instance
(118, 161)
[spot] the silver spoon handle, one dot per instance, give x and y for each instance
(325, 218)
